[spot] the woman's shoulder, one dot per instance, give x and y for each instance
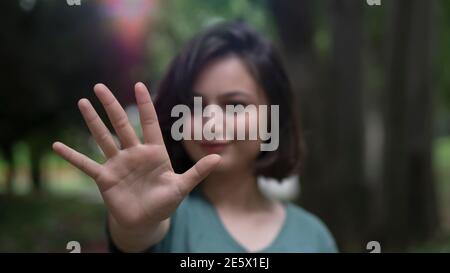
(310, 226)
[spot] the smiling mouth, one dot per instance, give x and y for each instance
(214, 147)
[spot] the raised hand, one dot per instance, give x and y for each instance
(137, 181)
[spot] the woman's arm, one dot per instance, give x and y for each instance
(139, 239)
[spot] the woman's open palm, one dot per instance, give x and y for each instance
(137, 181)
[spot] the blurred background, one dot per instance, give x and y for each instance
(373, 84)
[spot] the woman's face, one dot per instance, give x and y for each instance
(224, 82)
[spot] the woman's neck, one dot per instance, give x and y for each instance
(235, 190)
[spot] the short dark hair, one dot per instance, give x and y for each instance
(257, 53)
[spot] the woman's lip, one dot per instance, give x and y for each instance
(212, 143)
(214, 147)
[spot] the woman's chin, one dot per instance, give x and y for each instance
(225, 165)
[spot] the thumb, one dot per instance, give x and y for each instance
(199, 171)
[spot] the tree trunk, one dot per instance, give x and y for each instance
(330, 101)
(410, 199)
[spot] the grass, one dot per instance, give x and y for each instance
(439, 245)
(70, 209)
(441, 165)
(47, 223)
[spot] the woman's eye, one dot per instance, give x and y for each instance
(238, 107)
(238, 103)
(192, 103)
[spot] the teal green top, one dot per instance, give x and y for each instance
(196, 227)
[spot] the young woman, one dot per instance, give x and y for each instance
(164, 195)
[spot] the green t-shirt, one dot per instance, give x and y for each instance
(196, 227)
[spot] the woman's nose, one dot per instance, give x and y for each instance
(214, 116)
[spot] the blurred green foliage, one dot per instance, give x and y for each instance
(177, 21)
(33, 223)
